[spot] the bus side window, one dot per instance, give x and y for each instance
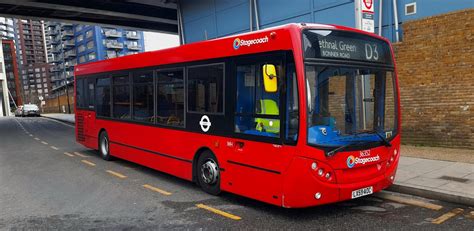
(102, 96)
(80, 92)
(121, 97)
(90, 93)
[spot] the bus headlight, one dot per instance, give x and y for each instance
(314, 166)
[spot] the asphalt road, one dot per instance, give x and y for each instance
(44, 184)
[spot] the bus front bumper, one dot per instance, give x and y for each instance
(303, 189)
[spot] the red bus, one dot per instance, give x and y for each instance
(297, 115)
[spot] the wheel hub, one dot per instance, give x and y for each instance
(209, 172)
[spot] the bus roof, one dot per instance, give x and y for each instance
(265, 40)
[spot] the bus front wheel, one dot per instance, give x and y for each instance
(208, 173)
(104, 145)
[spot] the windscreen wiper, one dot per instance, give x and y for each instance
(335, 150)
(383, 139)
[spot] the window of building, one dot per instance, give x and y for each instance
(102, 96)
(80, 38)
(206, 88)
(91, 56)
(89, 33)
(81, 48)
(170, 97)
(78, 28)
(121, 97)
(90, 44)
(82, 59)
(143, 102)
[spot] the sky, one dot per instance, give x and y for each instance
(157, 41)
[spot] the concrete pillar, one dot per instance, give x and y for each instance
(4, 99)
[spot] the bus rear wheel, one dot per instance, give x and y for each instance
(104, 146)
(208, 173)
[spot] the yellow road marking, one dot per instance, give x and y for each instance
(80, 154)
(121, 176)
(68, 154)
(88, 162)
(157, 189)
(217, 211)
(447, 216)
(55, 148)
(408, 201)
(45, 143)
(36, 138)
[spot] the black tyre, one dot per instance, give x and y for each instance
(208, 173)
(104, 146)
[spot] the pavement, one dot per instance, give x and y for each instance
(441, 173)
(68, 118)
(49, 182)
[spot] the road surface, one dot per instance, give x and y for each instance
(48, 181)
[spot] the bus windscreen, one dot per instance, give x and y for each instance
(342, 45)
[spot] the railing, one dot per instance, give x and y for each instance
(131, 35)
(71, 53)
(69, 43)
(134, 47)
(113, 33)
(114, 45)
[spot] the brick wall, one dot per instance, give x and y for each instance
(436, 72)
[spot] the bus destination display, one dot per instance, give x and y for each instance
(346, 46)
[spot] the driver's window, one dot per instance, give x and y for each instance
(257, 111)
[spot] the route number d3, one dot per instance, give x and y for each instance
(371, 52)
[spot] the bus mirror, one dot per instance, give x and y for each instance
(270, 78)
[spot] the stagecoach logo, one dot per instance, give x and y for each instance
(240, 42)
(205, 123)
(352, 161)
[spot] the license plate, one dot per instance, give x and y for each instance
(362, 192)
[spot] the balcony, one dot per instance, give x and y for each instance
(56, 50)
(69, 43)
(57, 59)
(134, 47)
(57, 68)
(113, 34)
(69, 64)
(65, 24)
(70, 54)
(114, 45)
(132, 35)
(66, 34)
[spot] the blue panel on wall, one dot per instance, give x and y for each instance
(324, 4)
(302, 18)
(196, 30)
(276, 10)
(233, 19)
(196, 9)
(341, 15)
(225, 4)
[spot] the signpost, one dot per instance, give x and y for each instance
(364, 15)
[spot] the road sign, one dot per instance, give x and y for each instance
(365, 15)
